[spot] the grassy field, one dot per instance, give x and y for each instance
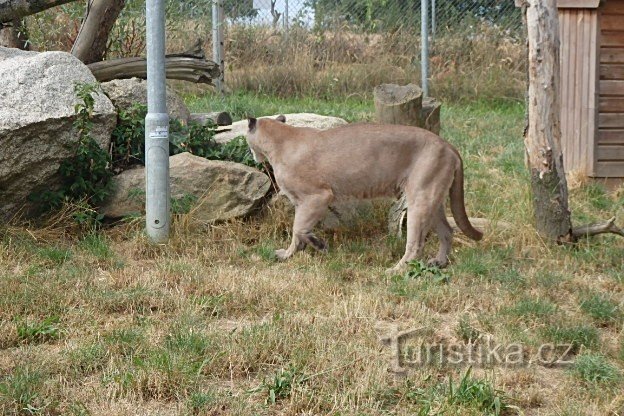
(103, 323)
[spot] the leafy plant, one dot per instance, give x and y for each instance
(86, 175)
(282, 384)
(38, 331)
(128, 138)
(197, 139)
(417, 269)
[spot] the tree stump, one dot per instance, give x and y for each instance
(396, 104)
(431, 115)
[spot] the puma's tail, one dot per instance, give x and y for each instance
(457, 205)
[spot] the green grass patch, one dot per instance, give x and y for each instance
(595, 368)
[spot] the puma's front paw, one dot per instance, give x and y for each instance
(281, 254)
(435, 262)
(398, 269)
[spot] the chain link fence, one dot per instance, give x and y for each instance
(329, 48)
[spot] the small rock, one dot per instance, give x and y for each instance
(239, 128)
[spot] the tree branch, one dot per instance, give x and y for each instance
(16, 9)
(177, 66)
(589, 230)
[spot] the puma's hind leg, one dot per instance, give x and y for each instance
(445, 235)
(308, 212)
(418, 223)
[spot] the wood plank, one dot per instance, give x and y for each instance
(611, 120)
(585, 59)
(611, 22)
(612, 55)
(613, 7)
(611, 71)
(592, 110)
(610, 153)
(611, 137)
(576, 76)
(608, 88)
(564, 70)
(610, 169)
(577, 4)
(611, 38)
(611, 104)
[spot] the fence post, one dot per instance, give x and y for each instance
(156, 128)
(424, 50)
(433, 19)
(218, 20)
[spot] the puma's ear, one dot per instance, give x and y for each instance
(251, 122)
(281, 118)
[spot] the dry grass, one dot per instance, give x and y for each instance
(106, 324)
(466, 63)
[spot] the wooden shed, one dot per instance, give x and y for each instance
(592, 86)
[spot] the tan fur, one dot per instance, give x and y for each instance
(314, 168)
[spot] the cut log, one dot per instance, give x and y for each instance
(396, 104)
(16, 9)
(430, 113)
(177, 66)
(220, 118)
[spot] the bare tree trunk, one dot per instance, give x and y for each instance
(16, 9)
(543, 136)
(90, 45)
(14, 36)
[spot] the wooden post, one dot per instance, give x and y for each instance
(543, 134)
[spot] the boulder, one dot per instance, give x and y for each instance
(126, 92)
(213, 190)
(37, 111)
(316, 121)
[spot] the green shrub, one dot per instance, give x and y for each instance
(85, 176)
(128, 141)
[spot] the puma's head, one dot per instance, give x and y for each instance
(255, 140)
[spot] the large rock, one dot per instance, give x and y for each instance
(316, 121)
(37, 102)
(214, 190)
(126, 92)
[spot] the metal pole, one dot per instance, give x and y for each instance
(424, 50)
(156, 128)
(286, 16)
(433, 19)
(218, 17)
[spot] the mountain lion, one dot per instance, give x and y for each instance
(315, 167)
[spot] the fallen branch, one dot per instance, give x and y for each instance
(185, 67)
(589, 230)
(16, 9)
